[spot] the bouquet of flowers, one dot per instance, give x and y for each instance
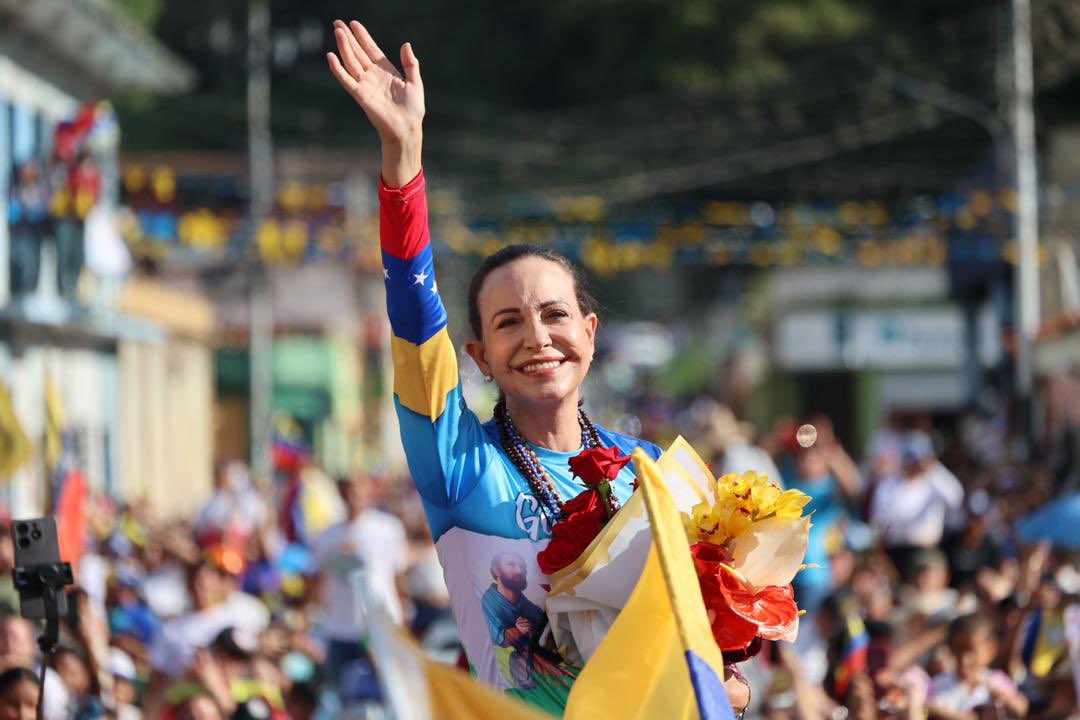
(748, 538)
(748, 541)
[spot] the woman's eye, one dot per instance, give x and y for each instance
(508, 322)
(558, 315)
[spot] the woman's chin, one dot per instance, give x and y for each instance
(544, 395)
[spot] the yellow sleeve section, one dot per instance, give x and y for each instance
(424, 374)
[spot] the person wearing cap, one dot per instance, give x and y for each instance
(129, 614)
(124, 676)
(909, 510)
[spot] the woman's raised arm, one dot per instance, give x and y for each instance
(444, 442)
(393, 102)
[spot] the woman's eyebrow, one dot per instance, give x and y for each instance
(514, 310)
(504, 311)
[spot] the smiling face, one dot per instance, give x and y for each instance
(535, 343)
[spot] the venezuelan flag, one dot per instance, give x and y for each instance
(425, 364)
(659, 658)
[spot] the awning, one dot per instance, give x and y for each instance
(89, 48)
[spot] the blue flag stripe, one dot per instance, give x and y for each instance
(712, 698)
(412, 300)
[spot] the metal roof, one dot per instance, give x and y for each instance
(89, 48)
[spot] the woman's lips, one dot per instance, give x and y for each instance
(544, 367)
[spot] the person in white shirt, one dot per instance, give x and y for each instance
(370, 541)
(908, 510)
(234, 511)
(973, 688)
(729, 443)
(215, 606)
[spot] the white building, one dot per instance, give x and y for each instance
(55, 56)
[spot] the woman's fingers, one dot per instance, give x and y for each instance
(352, 57)
(343, 77)
(367, 43)
(411, 64)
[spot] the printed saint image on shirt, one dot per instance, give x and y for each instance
(513, 621)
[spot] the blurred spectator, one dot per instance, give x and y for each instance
(28, 223)
(18, 649)
(216, 605)
(125, 677)
(234, 512)
(369, 540)
(828, 475)
(432, 620)
(9, 596)
(19, 691)
(973, 550)
(75, 673)
(909, 510)
(727, 442)
(972, 689)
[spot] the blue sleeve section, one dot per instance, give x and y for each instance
(447, 457)
(412, 298)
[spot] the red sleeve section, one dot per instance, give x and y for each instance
(403, 218)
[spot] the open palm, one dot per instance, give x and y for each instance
(394, 103)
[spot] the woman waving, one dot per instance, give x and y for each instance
(491, 491)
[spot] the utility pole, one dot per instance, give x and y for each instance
(261, 178)
(1027, 210)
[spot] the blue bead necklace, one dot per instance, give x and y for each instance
(521, 454)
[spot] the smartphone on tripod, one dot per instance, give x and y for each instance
(37, 562)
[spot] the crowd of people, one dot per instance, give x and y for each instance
(923, 599)
(249, 610)
(921, 602)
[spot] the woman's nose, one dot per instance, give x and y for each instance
(536, 334)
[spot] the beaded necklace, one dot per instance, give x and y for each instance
(521, 454)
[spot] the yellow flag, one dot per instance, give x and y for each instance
(641, 656)
(418, 688)
(15, 447)
(660, 651)
(54, 424)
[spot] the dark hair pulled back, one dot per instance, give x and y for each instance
(15, 675)
(510, 253)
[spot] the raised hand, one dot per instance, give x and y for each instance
(394, 103)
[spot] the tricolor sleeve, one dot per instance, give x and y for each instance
(444, 441)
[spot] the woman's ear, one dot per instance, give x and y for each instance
(475, 348)
(592, 321)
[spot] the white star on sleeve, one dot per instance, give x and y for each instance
(420, 277)
(434, 287)
(385, 274)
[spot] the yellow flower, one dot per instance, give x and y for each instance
(741, 500)
(717, 523)
(761, 497)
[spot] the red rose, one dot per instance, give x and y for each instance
(588, 501)
(597, 465)
(583, 519)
